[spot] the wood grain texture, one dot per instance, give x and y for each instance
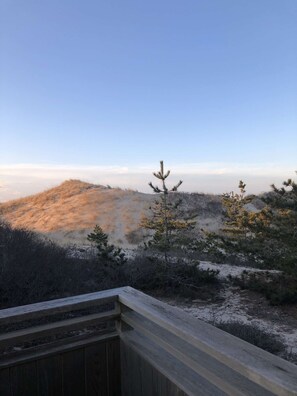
(209, 368)
(114, 367)
(50, 376)
(132, 384)
(46, 308)
(24, 380)
(5, 389)
(140, 376)
(146, 378)
(159, 383)
(74, 373)
(83, 370)
(21, 336)
(125, 378)
(54, 348)
(96, 370)
(184, 378)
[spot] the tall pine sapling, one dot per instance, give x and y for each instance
(164, 221)
(234, 228)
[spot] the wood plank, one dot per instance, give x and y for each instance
(146, 373)
(24, 380)
(19, 336)
(5, 389)
(173, 390)
(74, 373)
(269, 371)
(131, 371)
(54, 348)
(96, 370)
(134, 365)
(211, 369)
(159, 382)
(50, 376)
(114, 367)
(163, 386)
(61, 305)
(182, 376)
(125, 377)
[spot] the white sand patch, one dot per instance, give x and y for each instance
(235, 308)
(233, 270)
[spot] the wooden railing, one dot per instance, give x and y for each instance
(123, 342)
(64, 347)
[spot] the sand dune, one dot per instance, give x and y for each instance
(67, 213)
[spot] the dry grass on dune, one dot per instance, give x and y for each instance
(55, 208)
(67, 213)
(74, 206)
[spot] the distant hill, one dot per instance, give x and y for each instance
(67, 213)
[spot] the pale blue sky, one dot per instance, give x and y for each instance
(127, 83)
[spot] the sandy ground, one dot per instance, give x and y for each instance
(245, 306)
(233, 270)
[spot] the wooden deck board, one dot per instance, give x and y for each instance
(24, 380)
(74, 373)
(96, 370)
(50, 376)
(5, 384)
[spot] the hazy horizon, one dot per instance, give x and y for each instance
(21, 180)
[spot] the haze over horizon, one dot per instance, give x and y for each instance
(24, 180)
(102, 91)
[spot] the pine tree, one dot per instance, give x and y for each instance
(165, 221)
(267, 236)
(283, 224)
(235, 212)
(105, 250)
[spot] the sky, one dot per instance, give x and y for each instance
(103, 90)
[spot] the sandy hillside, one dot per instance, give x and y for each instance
(67, 213)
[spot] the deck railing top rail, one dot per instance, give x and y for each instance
(61, 305)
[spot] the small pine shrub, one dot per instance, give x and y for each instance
(278, 289)
(106, 251)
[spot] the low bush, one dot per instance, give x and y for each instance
(254, 335)
(277, 288)
(33, 270)
(175, 278)
(135, 237)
